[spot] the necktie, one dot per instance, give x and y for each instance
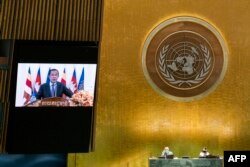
(53, 90)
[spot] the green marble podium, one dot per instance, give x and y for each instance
(192, 162)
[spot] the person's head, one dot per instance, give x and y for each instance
(166, 148)
(53, 75)
(204, 149)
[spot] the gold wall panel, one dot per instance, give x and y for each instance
(75, 20)
(134, 122)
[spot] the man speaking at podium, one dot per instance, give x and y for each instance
(53, 88)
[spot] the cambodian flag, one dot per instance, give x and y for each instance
(27, 88)
(37, 82)
(63, 80)
(81, 81)
(73, 85)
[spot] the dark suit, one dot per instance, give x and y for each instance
(44, 91)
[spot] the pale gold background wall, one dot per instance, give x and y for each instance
(133, 121)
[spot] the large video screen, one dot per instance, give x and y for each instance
(50, 84)
(52, 97)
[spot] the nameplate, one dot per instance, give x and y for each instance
(54, 103)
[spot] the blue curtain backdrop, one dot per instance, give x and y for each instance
(33, 160)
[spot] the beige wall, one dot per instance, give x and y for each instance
(133, 121)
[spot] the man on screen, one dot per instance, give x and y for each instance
(53, 88)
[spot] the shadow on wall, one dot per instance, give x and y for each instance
(33, 160)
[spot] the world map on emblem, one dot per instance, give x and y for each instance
(184, 58)
(184, 62)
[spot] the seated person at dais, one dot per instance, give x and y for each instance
(204, 153)
(167, 153)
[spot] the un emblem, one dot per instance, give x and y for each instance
(184, 58)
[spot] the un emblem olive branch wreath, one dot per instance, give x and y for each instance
(199, 77)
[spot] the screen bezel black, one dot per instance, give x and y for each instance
(50, 129)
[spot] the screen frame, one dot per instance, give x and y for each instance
(28, 131)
